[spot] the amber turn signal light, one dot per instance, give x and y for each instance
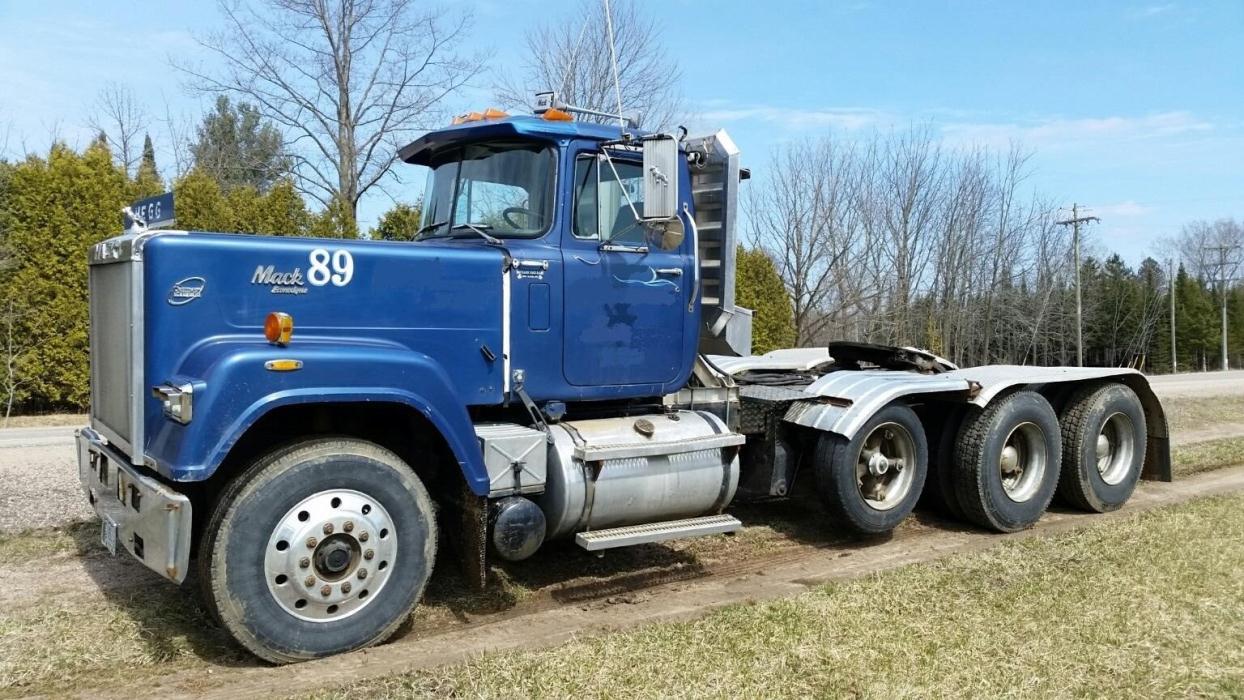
(278, 327)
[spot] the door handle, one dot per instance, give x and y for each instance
(669, 271)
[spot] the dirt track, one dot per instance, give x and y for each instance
(544, 625)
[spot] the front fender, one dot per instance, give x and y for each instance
(233, 390)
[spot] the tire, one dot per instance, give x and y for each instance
(257, 550)
(1024, 426)
(1104, 439)
(897, 432)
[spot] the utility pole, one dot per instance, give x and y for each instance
(1223, 250)
(1170, 286)
(1074, 222)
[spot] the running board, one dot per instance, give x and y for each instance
(594, 540)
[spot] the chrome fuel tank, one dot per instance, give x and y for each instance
(639, 469)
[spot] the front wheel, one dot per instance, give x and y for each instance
(320, 548)
(873, 481)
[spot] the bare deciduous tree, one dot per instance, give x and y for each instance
(10, 379)
(572, 57)
(123, 122)
(347, 80)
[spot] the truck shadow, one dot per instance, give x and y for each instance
(168, 620)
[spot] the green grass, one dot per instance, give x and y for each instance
(1205, 456)
(1149, 606)
(1186, 413)
(63, 643)
(81, 537)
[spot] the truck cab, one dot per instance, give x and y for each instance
(570, 214)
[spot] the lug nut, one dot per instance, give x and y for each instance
(368, 554)
(345, 587)
(311, 542)
(348, 526)
(304, 562)
(326, 590)
(328, 528)
(310, 581)
(362, 574)
(363, 536)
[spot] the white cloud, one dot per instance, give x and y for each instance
(1147, 11)
(1056, 132)
(848, 118)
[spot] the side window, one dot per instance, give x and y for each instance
(602, 211)
(585, 198)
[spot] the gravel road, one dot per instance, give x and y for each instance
(40, 476)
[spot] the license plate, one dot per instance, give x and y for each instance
(108, 535)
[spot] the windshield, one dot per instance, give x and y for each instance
(505, 188)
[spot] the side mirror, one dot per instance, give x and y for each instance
(660, 177)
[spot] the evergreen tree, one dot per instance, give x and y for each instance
(759, 288)
(56, 208)
(1195, 321)
(147, 180)
(237, 147)
(284, 213)
(202, 206)
(335, 221)
(400, 223)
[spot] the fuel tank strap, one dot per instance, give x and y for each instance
(594, 453)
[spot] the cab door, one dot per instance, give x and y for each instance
(625, 301)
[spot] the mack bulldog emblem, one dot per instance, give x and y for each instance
(186, 291)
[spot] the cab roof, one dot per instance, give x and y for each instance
(420, 150)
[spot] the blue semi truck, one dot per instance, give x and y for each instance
(558, 355)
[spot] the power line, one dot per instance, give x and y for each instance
(1075, 222)
(1223, 250)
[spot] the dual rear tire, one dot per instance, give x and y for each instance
(1000, 469)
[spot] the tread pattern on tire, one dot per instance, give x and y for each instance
(970, 458)
(212, 587)
(1071, 488)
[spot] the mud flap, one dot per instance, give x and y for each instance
(469, 539)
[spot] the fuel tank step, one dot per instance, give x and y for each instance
(594, 540)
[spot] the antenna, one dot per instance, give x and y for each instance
(613, 57)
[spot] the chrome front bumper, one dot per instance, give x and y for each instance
(139, 513)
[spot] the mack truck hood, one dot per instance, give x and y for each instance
(442, 300)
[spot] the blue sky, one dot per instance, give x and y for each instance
(1134, 108)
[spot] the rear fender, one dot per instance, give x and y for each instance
(233, 389)
(842, 402)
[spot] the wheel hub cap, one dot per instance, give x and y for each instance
(880, 472)
(1115, 448)
(330, 555)
(1022, 463)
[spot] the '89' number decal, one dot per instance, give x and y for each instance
(336, 267)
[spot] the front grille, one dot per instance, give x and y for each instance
(112, 351)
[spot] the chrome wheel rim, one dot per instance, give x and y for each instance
(329, 556)
(884, 466)
(1115, 448)
(1022, 463)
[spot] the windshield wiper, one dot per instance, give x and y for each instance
(479, 229)
(429, 227)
